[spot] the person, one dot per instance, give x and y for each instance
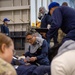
(23, 68)
(63, 63)
(46, 22)
(64, 4)
(6, 54)
(45, 17)
(4, 27)
(64, 18)
(38, 49)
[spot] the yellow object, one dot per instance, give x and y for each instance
(33, 25)
(38, 24)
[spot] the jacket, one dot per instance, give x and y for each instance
(63, 63)
(46, 19)
(63, 17)
(4, 29)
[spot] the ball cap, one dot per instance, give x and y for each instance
(53, 4)
(5, 19)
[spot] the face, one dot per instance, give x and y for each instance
(6, 22)
(52, 10)
(30, 39)
(41, 11)
(8, 53)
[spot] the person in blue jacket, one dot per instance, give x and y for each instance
(64, 18)
(4, 27)
(38, 49)
(46, 22)
(44, 17)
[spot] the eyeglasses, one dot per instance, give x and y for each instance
(29, 39)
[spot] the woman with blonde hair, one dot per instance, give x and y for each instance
(6, 54)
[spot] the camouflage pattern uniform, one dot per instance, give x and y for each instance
(6, 68)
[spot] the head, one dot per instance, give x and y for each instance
(52, 6)
(64, 4)
(30, 38)
(6, 48)
(42, 10)
(6, 21)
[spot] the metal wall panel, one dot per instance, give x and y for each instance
(5, 3)
(17, 11)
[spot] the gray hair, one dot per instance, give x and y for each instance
(43, 10)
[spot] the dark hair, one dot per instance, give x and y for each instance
(28, 33)
(64, 4)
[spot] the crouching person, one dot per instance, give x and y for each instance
(38, 49)
(6, 54)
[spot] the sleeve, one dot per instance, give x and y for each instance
(48, 19)
(55, 24)
(27, 54)
(44, 52)
(57, 67)
(2, 29)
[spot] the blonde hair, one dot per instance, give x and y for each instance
(4, 39)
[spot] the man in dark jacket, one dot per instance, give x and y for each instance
(44, 17)
(4, 27)
(38, 49)
(64, 18)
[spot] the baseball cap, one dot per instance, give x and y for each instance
(53, 4)
(5, 19)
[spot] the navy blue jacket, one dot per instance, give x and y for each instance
(4, 29)
(64, 18)
(41, 54)
(45, 21)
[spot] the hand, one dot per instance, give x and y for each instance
(32, 59)
(43, 34)
(25, 60)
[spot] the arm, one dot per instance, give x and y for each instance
(48, 19)
(55, 24)
(44, 52)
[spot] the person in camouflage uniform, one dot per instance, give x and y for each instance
(6, 68)
(6, 54)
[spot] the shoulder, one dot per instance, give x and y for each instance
(39, 39)
(44, 43)
(6, 68)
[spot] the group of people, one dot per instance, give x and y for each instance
(36, 60)
(63, 17)
(22, 66)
